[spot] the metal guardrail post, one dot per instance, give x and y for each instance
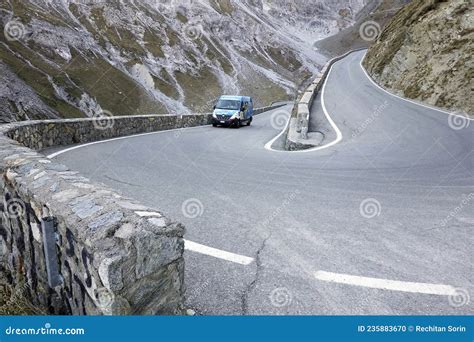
(50, 253)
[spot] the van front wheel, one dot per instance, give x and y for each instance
(249, 121)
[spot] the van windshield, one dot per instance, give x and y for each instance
(228, 104)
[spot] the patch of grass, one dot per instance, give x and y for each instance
(17, 302)
(218, 55)
(284, 57)
(36, 79)
(181, 18)
(190, 57)
(90, 28)
(172, 36)
(20, 10)
(116, 35)
(153, 43)
(223, 6)
(199, 89)
(255, 56)
(113, 89)
(25, 12)
(263, 90)
(165, 84)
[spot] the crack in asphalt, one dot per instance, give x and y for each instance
(251, 286)
(120, 181)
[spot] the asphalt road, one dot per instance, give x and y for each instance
(306, 218)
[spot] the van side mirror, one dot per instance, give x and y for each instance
(214, 107)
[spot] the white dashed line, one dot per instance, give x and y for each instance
(217, 253)
(385, 284)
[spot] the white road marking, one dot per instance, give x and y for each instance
(385, 284)
(217, 253)
(55, 154)
(147, 213)
(336, 129)
(405, 99)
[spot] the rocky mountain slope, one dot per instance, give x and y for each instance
(75, 58)
(425, 53)
(371, 19)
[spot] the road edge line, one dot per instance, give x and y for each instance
(339, 137)
(55, 154)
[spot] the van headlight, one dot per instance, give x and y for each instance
(236, 115)
(214, 116)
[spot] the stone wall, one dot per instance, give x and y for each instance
(115, 256)
(110, 254)
(42, 134)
